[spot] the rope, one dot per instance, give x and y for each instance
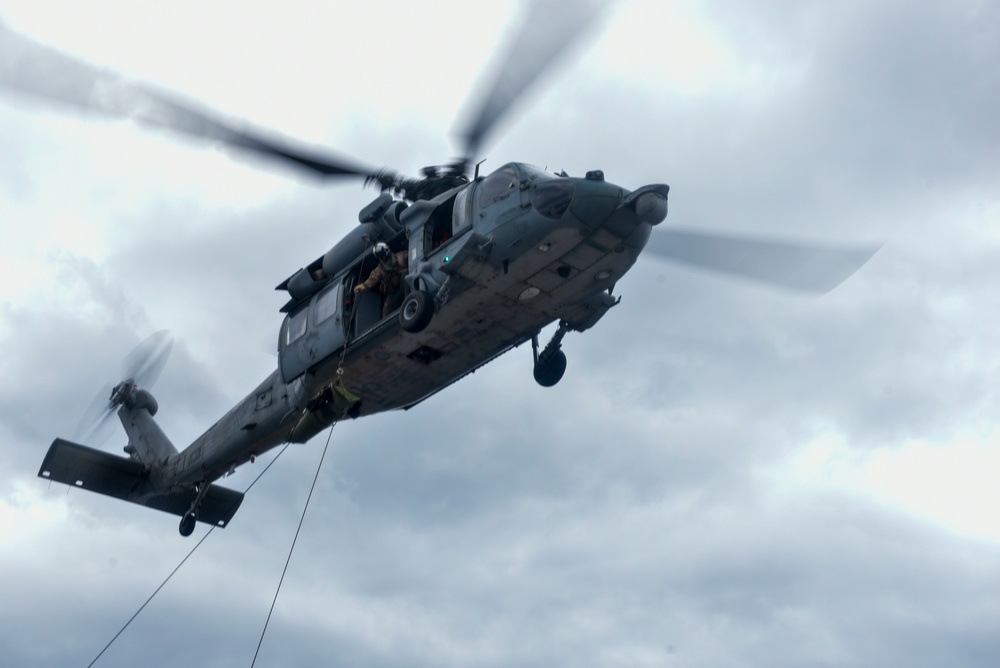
(142, 607)
(177, 568)
(292, 549)
(207, 533)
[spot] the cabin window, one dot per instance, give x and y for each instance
(497, 185)
(296, 325)
(326, 304)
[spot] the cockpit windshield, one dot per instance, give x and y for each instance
(498, 185)
(551, 194)
(532, 173)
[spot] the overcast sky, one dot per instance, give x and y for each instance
(728, 475)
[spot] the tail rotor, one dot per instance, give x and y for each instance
(139, 369)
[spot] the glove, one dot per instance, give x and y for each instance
(358, 289)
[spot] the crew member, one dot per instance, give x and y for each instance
(386, 278)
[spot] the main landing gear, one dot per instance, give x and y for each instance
(416, 312)
(550, 365)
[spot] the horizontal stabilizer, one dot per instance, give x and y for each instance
(126, 479)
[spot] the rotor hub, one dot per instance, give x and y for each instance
(122, 392)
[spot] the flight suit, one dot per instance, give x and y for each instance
(389, 279)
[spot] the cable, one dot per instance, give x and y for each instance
(162, 584)
(292, 549)
(151, 596)
(261, 474)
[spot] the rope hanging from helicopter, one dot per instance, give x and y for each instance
(319, 466)
(209, 532)
(340, 371)
(291, 550)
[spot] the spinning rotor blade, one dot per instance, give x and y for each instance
(790, 265)
(96, 426)
(549, 28)
(33, 69)
(142, 367)
(146, 361)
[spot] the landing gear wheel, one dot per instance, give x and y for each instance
(550, 368)
(416, 312)
(187, 523)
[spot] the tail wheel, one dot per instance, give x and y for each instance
(187, 523)
(416, 312)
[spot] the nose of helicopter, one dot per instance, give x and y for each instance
(650, 204)
(615, 219)
(598, 203)
(594, 199)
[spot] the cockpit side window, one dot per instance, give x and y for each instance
(497, 185)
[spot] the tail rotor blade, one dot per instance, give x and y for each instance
(96, 425)
(787, 264)
(142, 366)
(146, 361)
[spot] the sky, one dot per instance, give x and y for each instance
(728, 474)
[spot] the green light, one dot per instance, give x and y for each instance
(447, 259)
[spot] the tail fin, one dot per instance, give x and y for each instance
(127, 479)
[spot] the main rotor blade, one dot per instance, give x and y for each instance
(34, 69)
(549, 28)
(787, 264)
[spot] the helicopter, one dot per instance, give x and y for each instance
(485, 262)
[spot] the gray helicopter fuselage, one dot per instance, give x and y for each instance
(505, 256)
